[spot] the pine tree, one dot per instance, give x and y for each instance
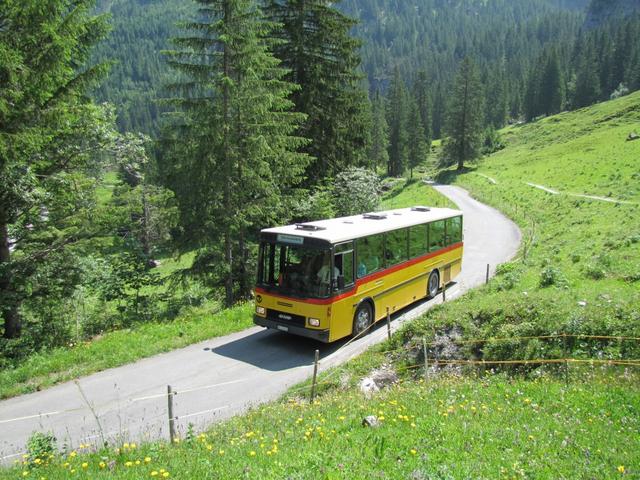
(587, 80)
(48, 131)
(315, 44)
(423, 102)
(231, 154)
(497, 97)
(417, 146)
(378, 153)
(397, 120)
(552, 86)
(463, 127)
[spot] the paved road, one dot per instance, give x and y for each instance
(223, 376)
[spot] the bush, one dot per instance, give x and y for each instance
(40, 446)
(356, 190)
(551, 275)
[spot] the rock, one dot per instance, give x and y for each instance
(384, 377)
(368, 386)
(582, 303)
(371, 421)
(633, 136)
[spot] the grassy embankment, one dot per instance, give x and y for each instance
(577, 250)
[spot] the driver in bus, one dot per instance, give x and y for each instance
(323, 274)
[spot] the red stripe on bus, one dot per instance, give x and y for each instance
(364, 280)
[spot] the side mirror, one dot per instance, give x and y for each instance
(340, 282)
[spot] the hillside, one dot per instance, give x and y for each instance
(432, 35)
(578, 274)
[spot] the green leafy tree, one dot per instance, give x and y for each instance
(463, 127)
(231, 152)
(48, 134)
(356, 190)
(316, 45)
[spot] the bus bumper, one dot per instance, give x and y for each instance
(320, 335)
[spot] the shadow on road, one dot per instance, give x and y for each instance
(275, 351)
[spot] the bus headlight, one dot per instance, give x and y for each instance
(261, 311)
(314, 322)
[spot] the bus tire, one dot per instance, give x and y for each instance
(362, 319)
(433, 284)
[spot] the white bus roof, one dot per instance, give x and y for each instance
(336, 230)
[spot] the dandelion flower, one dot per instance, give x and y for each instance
(147, 459)
(413, 451)
(165, 474)
(154, 473)
(621, 469)
(252, 453)
(85, 465)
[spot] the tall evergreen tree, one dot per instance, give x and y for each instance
(417, 149)
(48, 131)
(497, 104)
(587, 80)
(232, 152)
(397, 120)
(551, 88)
(378, 153)
(322, 57)
(423, 102)
(463, 127)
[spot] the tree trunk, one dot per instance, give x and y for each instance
(228, 168)
(12, 323)
(146, 234)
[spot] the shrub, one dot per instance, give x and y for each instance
(40, 445)
(356, 190)
(551, 275)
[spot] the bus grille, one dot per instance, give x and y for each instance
(286, 318)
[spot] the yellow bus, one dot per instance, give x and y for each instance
(332, 278)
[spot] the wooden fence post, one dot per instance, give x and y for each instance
(315, 376)
(426, 359)
(172, 420)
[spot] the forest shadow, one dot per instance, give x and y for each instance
(448, 176)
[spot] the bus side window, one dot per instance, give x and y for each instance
(370, 254)
(418, 241)
(396, 247)
(454, 230)
(343, 260)
(436, 235)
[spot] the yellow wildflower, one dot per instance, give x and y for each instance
(85, 465)
(147, 459)
(165, 474)
(621, 469)
(154, 473)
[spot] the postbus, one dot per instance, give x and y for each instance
(333, 278)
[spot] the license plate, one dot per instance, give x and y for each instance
(283, 328)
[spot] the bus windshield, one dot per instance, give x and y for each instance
(296, 270)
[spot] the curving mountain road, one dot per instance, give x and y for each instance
(223, 376)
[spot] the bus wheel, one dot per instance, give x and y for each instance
(433, 284)
(362, 319)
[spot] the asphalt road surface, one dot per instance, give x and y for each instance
(223, 376)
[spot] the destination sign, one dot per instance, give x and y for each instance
(284, 238)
